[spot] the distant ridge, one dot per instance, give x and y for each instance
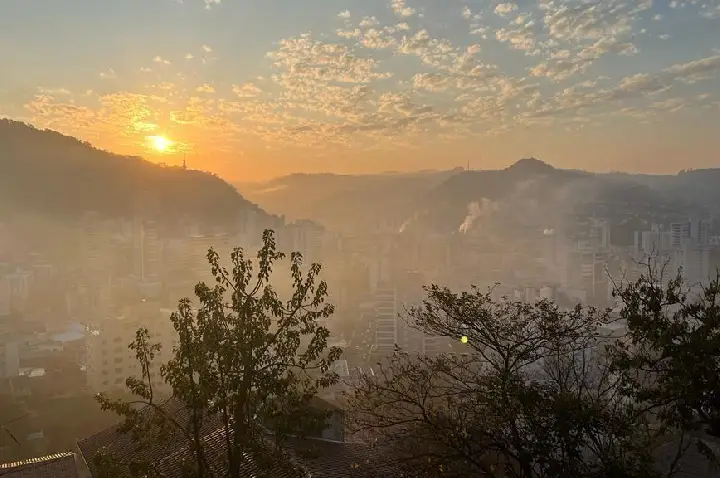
(49, 173)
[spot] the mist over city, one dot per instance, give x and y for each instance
(359, 239)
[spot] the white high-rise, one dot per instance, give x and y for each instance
(386, 315)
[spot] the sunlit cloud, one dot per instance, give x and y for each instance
(379, 79)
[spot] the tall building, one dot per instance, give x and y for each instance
(696, 231)
(306, 237)
(109, 360)
(386, 315)
(656, 242)
(149, 251)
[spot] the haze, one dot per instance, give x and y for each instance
(256, 89)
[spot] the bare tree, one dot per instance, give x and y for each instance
(533, 396)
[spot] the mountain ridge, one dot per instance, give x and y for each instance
(50, 173)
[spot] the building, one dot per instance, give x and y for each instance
(148, 251)
(306, 237)
(657, 242)
(9, 357)
(109, 360)
(386, 318)
(695, 230)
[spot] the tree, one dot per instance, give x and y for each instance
(671, 361)
(245, 359)
(531, 394)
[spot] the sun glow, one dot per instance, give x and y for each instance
(160, 143)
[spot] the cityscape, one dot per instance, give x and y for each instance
(359, 239)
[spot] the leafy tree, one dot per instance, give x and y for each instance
(245, 360)
(670, 362)
(531, 394)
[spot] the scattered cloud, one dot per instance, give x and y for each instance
(205, 89)
(109, 74)
(395, 76)
(246, 90)
(504, 9)
(401, 9)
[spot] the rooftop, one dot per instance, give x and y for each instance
(59, 465)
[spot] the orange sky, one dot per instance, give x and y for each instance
(252, 90)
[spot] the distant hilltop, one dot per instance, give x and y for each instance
(50, 173)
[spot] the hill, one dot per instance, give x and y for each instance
(529, 193)
(345, 202)
(47, 173)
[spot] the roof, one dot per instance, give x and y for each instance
(302, 457)
(125, 448)
(59, 465)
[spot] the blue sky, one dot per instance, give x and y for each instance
(255, 88)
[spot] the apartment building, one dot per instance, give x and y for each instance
(109, 360)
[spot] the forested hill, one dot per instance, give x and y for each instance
(48, 173)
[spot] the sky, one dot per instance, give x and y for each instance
(252, 89)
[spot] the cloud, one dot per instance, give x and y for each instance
(54, 91)
(400, 8)
(109, 74)
(504, 9)
(381, 81)
(205, 89)
(246, 90)
(694, 71)
(210, 3)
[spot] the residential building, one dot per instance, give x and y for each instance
(386, 315)
(109, 360)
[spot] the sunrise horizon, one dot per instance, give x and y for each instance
(364, 87)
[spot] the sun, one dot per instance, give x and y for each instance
(160, 143)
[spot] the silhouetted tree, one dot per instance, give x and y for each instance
(531, 395)
(670, 362)
(245, 357)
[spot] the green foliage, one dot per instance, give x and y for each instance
(245, 358)
(671, 361)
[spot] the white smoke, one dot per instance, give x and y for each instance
(476, 210)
